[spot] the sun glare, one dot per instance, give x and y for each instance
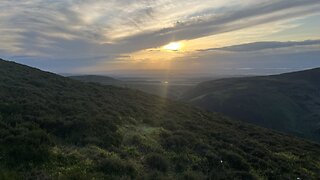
(174, 46)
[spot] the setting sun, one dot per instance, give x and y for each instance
(174, 46)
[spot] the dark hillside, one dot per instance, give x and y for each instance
(288, 102)
(52, 127)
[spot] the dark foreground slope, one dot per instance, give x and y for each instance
(287, 102)
(53, 127)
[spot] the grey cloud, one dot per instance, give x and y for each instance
(56, 17)
(249, 17)
(257, 46)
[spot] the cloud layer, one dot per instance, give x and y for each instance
(76, 33)
(258, 46)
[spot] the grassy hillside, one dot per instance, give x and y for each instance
(288, 102)
(52, 127)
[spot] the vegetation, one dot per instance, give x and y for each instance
(53, 127)
(288, 102)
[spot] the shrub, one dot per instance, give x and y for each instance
(235, 161)
(242, 175)
(26, 147)
(155, 175)
(117, 167)
(8, 175)
(181, 163)
(192, 175)
(176, 142)
(157, 162)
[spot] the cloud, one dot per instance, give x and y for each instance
(225, 22)
(250, 62)
(258, 46)
(75, 31)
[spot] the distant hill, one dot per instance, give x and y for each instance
(172, 91)
(96, 79)
(52, 127)
(288, 102)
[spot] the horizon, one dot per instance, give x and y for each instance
(162, 75)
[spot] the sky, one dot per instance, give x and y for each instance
(182, 36)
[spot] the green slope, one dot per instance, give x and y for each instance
(287, 102)
(52, 127)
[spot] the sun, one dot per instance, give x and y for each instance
(174, 46)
